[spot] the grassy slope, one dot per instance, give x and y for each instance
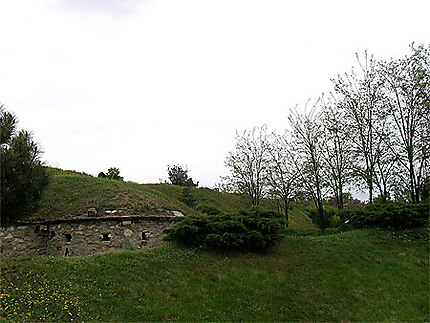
(70, 194)
(365, 275)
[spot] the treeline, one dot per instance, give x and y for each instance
(371, 132)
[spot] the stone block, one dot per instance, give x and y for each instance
(20, 234)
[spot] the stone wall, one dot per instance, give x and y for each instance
(81, 237)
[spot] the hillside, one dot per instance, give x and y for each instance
(69, 194)
(362, 275)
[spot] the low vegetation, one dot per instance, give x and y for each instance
(252, 229)
(360, 275)
(70, 193)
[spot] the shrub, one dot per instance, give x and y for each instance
(112, 173)
(209, 210)
(387, 214)
(187, 197)
(179, 176)
(252, 229)
(328, 217)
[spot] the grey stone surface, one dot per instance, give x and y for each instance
(86, 238)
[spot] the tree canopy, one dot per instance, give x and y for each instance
(23, 176)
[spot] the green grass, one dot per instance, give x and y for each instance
(70, 193)
(362, 275)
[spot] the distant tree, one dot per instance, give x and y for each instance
(281, 176)
(179, 176)
(307, 155)
(23, 176)
(112, 173)
(249, 164)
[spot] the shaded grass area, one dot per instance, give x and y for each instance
(362, 275)
(70, 193)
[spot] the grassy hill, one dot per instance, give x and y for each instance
(362, 275)
(70, 193)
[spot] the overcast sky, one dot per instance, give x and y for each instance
(142, 84)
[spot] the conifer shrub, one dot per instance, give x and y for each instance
(209, 210)
(187, 197)
(252, 229)
(328, 217)
(387, 214)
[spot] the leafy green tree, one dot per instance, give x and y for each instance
(179, 176)
(23, 176)
(112, 173)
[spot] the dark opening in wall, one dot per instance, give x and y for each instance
(68, 237)
(37, 229)
(105, 237)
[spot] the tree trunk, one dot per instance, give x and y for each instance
(321, 215)
(340, 197)
(286, 203)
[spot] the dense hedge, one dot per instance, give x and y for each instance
(388, 214)
(209, 210)
(251, 229)
(330, 218)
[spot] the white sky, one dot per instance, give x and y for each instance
(142, 84)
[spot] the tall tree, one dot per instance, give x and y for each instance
(22, 174)
(249, 162)
(407, 81)
(307, 154)
(281, 175)
(363, 100)
(337, 148)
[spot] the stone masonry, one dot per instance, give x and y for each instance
(84, 236)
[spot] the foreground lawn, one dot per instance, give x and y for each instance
(365, 275)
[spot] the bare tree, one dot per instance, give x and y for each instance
(337, 148)
(407, 81)
(249, 164)
(307, 154)
(282, 177)
(363, 100)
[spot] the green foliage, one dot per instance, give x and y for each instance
(179, 176)
(328, 217)
(251, 229)
(23, 176)
(112, 173)
(70, 193)
(187, 197)
(209, 210)
(387, 214)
